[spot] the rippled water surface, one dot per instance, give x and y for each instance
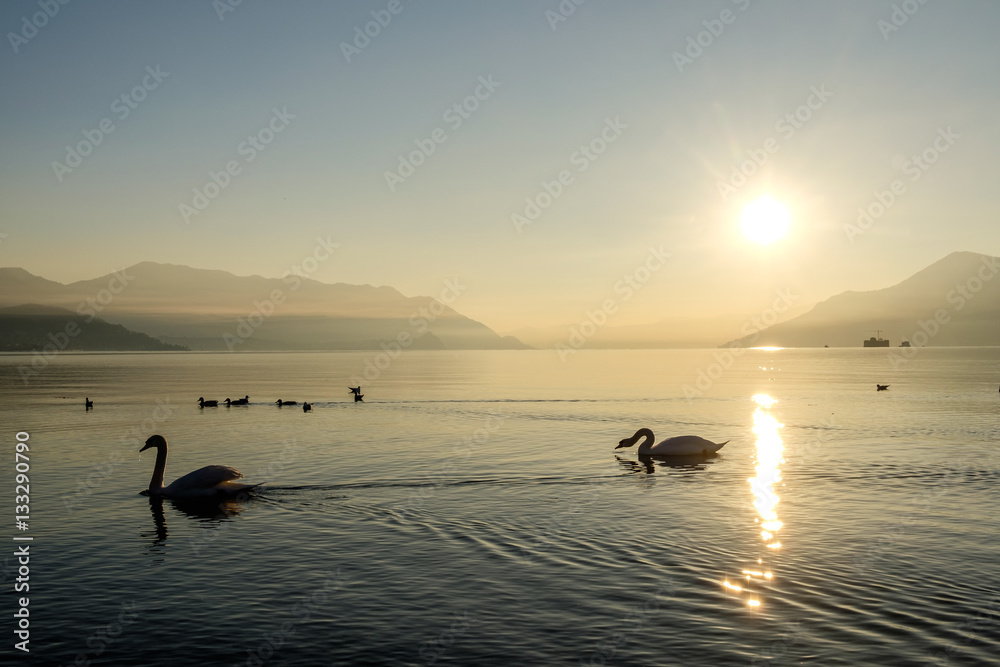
(473, 509)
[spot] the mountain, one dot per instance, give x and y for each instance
(215, 310)
(36, 328)
(955, 301)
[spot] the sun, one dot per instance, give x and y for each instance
(765, 220)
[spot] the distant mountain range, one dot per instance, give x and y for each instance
(215, 310)
(955, 301)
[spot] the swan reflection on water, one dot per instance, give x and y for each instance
(647, 464)
(209, 512)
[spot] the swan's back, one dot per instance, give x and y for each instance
(209, 480)
(685, 445)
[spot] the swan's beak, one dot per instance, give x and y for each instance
(622, 443)
(145, 447)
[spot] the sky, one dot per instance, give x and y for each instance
(640, 130)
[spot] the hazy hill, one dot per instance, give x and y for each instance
(32, 327)
(964, 287)
(209, 309)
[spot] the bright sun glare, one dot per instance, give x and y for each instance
(765, 221)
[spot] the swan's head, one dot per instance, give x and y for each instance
(628, 442)
(154, 441)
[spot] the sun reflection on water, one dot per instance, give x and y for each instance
(769, 457)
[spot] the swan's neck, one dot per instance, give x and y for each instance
(647, 440)
(156, 481)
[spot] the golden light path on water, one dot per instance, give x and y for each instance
(769, 457)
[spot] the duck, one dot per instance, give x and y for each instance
(87, 403)
(682, 445)
(207, 482)
(359, 398)
(355, 390)
(281, 402)
(202, 403)
(881, 387)
(306, 407)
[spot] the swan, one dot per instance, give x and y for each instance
(205, 482)
(682, 445)
(281, 402)
(306, 407)
(202, 403)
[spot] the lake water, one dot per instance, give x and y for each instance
(473, 510)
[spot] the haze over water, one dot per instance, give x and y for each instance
(473, 510)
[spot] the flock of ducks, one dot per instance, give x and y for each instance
(306, 406)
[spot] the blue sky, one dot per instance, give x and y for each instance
(891, 95)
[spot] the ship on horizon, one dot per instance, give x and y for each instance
(877, 340)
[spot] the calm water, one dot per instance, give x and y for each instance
(473, 510)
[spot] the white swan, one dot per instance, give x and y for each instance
(205, 482)
(682, 445)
